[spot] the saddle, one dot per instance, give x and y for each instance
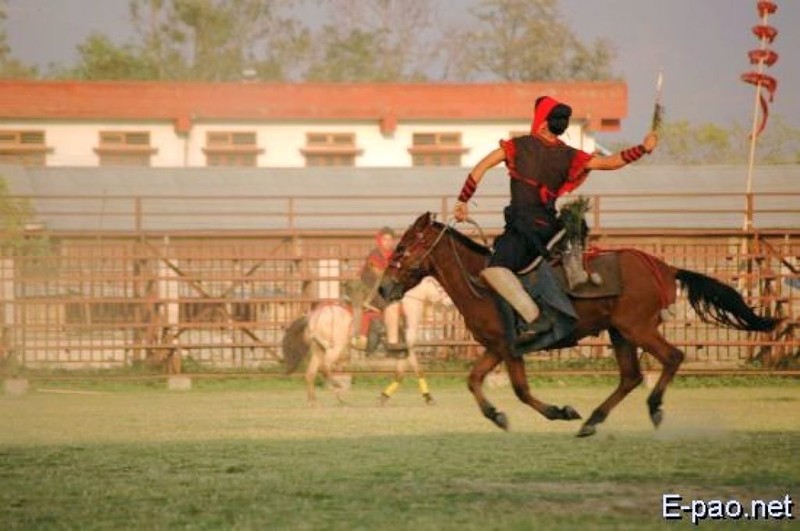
(553, 287)
(592, 274)
(600, 265)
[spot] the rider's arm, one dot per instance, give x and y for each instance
(624, 157)
(486, 163)
(471, 184)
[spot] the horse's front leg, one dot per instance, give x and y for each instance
(424, 390)
(630, 376)
(482, 367)
(516, 373)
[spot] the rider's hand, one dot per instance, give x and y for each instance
(650, 141)
(460, 211)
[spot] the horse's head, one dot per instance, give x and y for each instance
(410, 263)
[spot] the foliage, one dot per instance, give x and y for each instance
(684, 142)
(374, 40)
(14, 214)
(350, 57)
(361, 41)
(101, 59)
(572, 217)
(10, 68)
(199, 40)
(528, 40)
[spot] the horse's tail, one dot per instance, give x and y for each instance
(721, 304)
(294, 344)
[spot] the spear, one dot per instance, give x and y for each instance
(658, 109)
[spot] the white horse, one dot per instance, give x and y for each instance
(326, 331)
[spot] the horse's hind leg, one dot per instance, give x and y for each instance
(482, 367)
(670, 357)
(630, 376)
(326, 367)
(519, 381)
(311, 373)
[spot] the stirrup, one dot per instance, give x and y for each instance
(544, 323)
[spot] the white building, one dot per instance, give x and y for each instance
(80, 124)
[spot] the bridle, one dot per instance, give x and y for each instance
(417, 266)
(420, 240)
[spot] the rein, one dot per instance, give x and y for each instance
(465, 275)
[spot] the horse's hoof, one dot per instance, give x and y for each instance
(587, 430)
(657, 417)
(569, 413)
(382, 399)
(501, 420)
(429, 400)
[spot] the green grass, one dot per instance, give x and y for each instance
(254, 456)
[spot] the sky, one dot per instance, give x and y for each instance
(701, 46)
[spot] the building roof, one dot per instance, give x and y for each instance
(601, 104)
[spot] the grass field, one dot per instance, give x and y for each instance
(253, 455)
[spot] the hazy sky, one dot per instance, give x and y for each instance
(701, 45)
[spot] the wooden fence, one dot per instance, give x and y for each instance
(71, 300)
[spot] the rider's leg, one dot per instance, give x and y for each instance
(391, 318)
(507, 285)
(514, 250)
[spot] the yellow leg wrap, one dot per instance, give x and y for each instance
(423, 386)
(391, 388)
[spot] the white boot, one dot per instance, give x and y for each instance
(509, 286)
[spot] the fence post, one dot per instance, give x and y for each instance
(290, 213)
(748, 212)
(444, 210)
(7, 307)
(137, 214)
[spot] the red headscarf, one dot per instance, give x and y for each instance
(542, 110)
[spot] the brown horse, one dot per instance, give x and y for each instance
(632, 319)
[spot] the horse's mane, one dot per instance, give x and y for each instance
(464, 239)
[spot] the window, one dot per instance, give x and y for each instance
(25, 148)
(437, 149)
(225, 148)
(331, 149)
(118, 148)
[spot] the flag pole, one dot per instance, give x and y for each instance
(748, 213)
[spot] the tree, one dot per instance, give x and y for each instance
(682, 142)
(349, 57)
(527, 40)
(10, 68)
(374, 40)
(14, 214)
(199, 40)
(101, 59)
(217, 40)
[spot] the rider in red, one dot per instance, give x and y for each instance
(542, 168)
(376, 263)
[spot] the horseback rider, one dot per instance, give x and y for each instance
(541, 168)
(371, 274)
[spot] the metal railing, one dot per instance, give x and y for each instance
(163, 214)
